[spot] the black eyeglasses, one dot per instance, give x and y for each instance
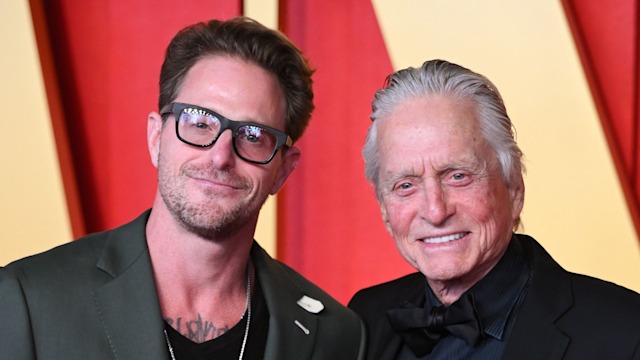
(201, 127)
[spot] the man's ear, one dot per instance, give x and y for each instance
(385, 217)
(290, 159)
(516, 190)
(154, 130)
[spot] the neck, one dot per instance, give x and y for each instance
(447, 293)
(192, 274)
(189, 256)
(450, 290)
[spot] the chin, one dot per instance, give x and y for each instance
(443, 271)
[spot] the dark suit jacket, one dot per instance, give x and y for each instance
(95, 298)
(563, 316)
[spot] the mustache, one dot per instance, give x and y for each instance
(208, 173)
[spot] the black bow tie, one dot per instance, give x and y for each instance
(421, 328)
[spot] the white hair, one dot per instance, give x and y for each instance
(439, 77)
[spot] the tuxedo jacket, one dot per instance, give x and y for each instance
(95, 298)
(563, 315)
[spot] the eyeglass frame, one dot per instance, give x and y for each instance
(176, 108)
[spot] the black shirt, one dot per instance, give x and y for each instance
(227, 346)
(497, 297)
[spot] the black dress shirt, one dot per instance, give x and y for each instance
(497, 297)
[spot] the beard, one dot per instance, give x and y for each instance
(207, 219)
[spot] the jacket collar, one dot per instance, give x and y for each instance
(292, 321)
(131, 316)
(548, 297)
(128, 305)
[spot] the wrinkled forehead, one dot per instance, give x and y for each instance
(434, 132)
(435, 119)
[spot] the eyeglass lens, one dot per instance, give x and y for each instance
(202, 128)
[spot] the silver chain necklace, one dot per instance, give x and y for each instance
(246, 329)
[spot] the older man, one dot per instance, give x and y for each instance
(448, 176)
(186, 280)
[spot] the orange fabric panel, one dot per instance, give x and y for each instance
(328, 219)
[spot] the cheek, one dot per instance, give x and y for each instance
(398, 218)
(493, 214)
(398, 222)
(486, 203)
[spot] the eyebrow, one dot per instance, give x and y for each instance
(395, 177)
(475, 166)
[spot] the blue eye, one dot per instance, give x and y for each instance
(405, 186)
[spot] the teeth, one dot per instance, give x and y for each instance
(441, 239)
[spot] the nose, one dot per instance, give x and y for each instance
(221, 152)
(437, 208)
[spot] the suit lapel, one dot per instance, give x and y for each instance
(548, 297)
(128, 305)
(292, 329)
(389, 344)
(534, 336)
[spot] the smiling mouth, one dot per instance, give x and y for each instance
(443, 239)
(217, 182)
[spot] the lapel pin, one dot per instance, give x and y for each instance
(306, 331)
(311, 305)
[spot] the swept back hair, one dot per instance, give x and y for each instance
(439, 77)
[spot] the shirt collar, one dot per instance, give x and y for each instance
(499, 292)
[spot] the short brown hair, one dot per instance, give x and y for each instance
(251, 41)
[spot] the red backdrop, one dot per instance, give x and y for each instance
(330, 227)
(607, 36)
(107, 55)
(101, 61)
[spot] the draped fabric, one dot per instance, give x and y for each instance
(104, 54)
(101, 60)
(607, 36)
(330, 227)
(107, 56)
(329, 223)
